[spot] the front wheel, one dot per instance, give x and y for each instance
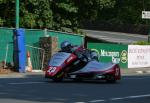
(55, 79)
(59, 77)
(110, 78)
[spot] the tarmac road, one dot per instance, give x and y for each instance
(117, 37)
(34, 88)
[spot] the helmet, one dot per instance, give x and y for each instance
(66, 46)
(94, 55)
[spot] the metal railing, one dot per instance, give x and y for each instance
(37, 56)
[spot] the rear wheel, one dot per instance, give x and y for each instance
(110, 78)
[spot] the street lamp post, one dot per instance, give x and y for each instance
(17, 14)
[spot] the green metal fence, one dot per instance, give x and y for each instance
(6, 39)
(32, 37)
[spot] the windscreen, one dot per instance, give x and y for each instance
(58, 58)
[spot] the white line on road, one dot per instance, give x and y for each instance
(139, 96)
(94, 101)
(121, 98)
(116, 99)
(25, 83)
(131, 97)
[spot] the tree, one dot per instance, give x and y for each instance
(7, 15)
(125, 12)
(62, 14)
(88, 10)
(36, 14)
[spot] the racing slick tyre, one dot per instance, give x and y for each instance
(58, 78)
(110, 78)
(55, 79)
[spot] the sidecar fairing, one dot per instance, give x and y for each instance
(98, 71)
(58, 65)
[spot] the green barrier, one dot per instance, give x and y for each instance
(6, 42)
(116, 53)
(73, 38)
(32, 38)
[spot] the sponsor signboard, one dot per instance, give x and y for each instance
(138, 56)
(116, 53)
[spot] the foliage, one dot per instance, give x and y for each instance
(89, 9)
(1, 22)
(141, 43)
(36, 14)
(62, 14)
(7, 13)
(125, 12)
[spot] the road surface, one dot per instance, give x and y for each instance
(116, 37)
(37, 89)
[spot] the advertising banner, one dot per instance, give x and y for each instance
(116, 53)
(138, 56)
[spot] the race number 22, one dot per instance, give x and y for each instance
(51, 69)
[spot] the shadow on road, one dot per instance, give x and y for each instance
(82, 82)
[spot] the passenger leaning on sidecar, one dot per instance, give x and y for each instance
(81, 52)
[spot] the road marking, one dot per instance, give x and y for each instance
(131, 97)
(116, 99)
(139, 96)
(25, 83)
(121, 98)
(94, 101)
